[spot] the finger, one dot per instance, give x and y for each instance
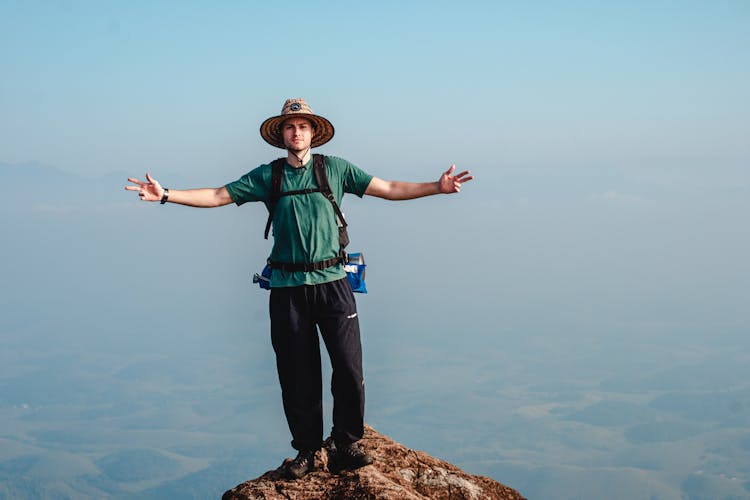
(466, 179)
(133, 188)
(462, 174)
(135, 181)
(149, 178)
(450, 170)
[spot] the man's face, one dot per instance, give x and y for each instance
(297, 134)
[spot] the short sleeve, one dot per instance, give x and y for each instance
(253, 186)
(354, 180)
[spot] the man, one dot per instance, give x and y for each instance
(308, 283)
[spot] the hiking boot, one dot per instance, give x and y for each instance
(351, 456)
(303, 463)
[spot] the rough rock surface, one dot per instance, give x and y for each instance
(398, 472)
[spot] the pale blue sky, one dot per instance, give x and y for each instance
(609, 140)
(625, 123)
(93, 87)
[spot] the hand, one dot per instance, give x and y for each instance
(450, 183)
(150, 190)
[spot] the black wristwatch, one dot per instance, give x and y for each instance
(165, 196)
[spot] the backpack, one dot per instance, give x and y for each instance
(321, 177)
(353, 264)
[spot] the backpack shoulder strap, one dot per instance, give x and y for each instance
(321, 177)
(277, 171)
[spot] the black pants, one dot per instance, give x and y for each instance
(295, 312)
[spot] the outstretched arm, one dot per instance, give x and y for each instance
(399, 190)
(151, 190)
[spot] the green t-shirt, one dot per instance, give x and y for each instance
(304, 225)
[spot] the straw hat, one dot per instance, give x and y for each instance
(270, 129)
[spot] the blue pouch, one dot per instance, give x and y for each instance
(355, 271)
(264, 278)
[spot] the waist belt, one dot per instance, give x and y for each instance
(307, 267)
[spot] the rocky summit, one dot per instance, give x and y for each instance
(398, 472)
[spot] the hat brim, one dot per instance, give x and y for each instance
(270, 129)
